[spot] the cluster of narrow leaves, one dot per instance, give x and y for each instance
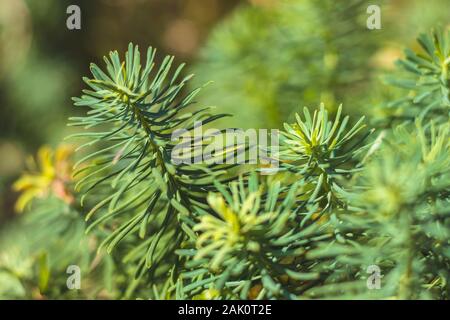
(386, 237)
(253, 244)
(152, 206)
(255, 241)
(334, 209)
(396, 223)
(129, 181)
(322, 152)
(398, 220)
(427, 80)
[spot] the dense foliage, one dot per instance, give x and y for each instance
(346, 198)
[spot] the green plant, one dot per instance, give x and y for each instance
(152, 199)
(398, 220)
(397, 216)
(342, 200)
(322, 152)
(253, 244)
(427, 82)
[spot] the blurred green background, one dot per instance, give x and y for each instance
(42, 62)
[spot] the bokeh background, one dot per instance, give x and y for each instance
(42, 62)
